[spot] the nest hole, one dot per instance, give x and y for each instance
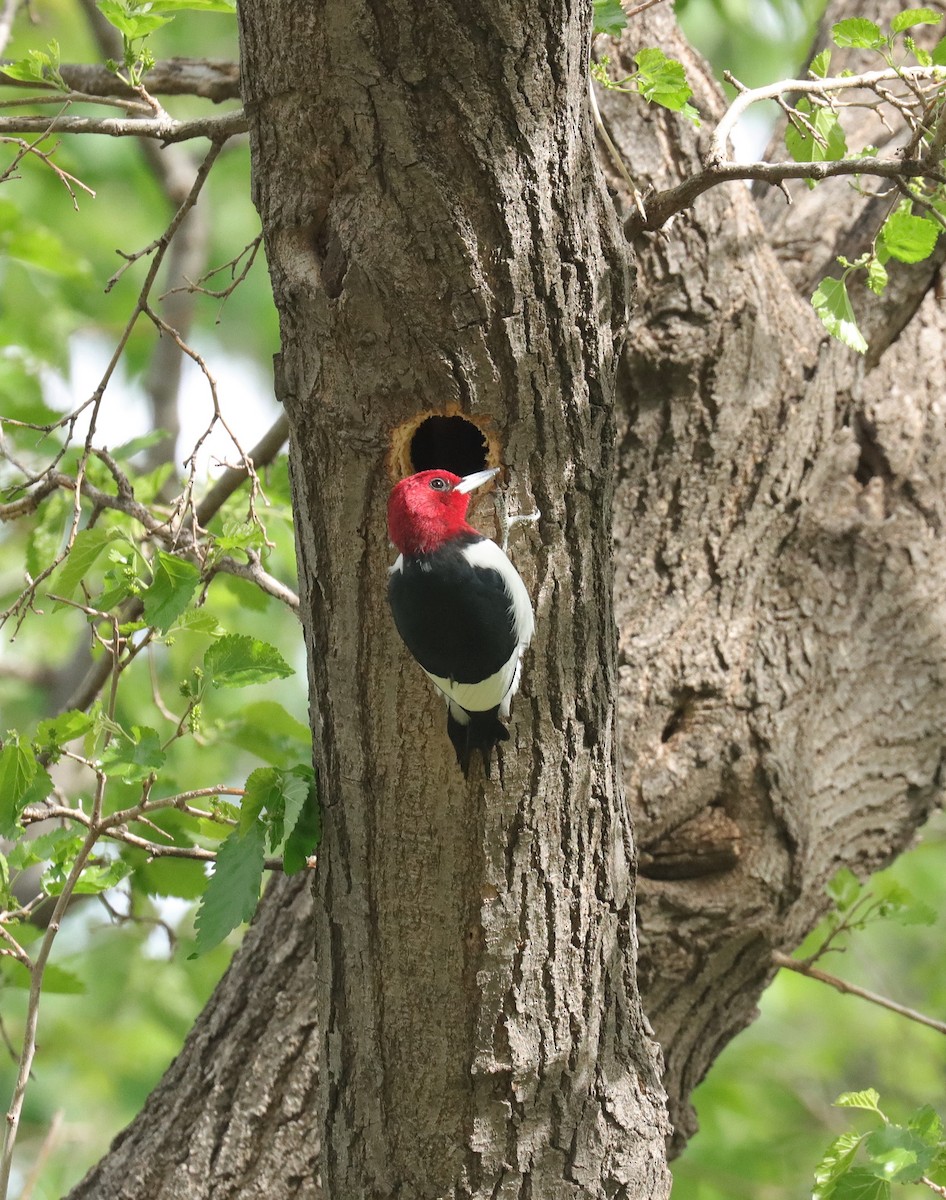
(445, 441)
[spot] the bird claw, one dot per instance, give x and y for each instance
(507, 523)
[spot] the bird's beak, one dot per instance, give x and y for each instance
(469, 482)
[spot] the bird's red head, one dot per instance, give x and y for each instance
(428, 509)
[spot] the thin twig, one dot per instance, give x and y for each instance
(852, 989)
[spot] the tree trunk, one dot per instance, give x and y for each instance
(779, 580)
(438, 243)
(441, 243)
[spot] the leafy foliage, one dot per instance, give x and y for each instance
(140, 612)
(815, 134)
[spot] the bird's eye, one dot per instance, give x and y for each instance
(438, 484)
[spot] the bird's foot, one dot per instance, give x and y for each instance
(507, 523)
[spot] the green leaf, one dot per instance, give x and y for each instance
(237, 660)
(220, 6)
(233, 890)
(914, 16)
(662, 80)
(908, 238)
(166, 876)
(133, 757)
(305, 837)
(844, 888)
(96, 877)
(877, 276)
(824, 141)
(268, 731)
(169, 593)
(280, 794)
(86, 549)
(609, 18)
(130, 21)
(56, 732)
(897, 903)
(833, 306)
(858, 33)
(898, 1154)
(130, 448)
(861, 1184)
(868, 1100)
(927, 1124)
(939, 53)
(22, 782)
(48, 534)
(820, 64)
(56, 980)
(835, 1162)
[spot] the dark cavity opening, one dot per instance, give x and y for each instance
(451, 443)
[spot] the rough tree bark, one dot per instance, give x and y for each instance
(778, 526)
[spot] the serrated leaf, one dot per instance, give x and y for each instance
(86, 549)
(133, 757)
(820, 140)
(96, 877)
(662, 80)
(939, 53)
(59, 844)
(198, 620)
(172, 586)
(833, 306)
(860, 1184)
(237, 660)
(835, 1161)
(898, 1154)
(858, 33)
(868, 1100)
(280, 795)
(927, 1124)
(908, 238)
(56, 732)
(914, 16)
(609, 18)
(22, 782)
(262, 790)
(820, 64)
(233, 890)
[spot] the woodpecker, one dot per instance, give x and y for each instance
(460, 606)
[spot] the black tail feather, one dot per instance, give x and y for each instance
(482, 733)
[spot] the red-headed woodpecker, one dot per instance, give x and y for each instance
(459, 605)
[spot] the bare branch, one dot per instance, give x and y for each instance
(841, 985)
(868, 81)
(212, 79)
(163, 129)
(661, 206)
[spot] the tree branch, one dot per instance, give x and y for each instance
(661, 206)
(163, 129)
(867, 80)
(841, 985)
(211, 79)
